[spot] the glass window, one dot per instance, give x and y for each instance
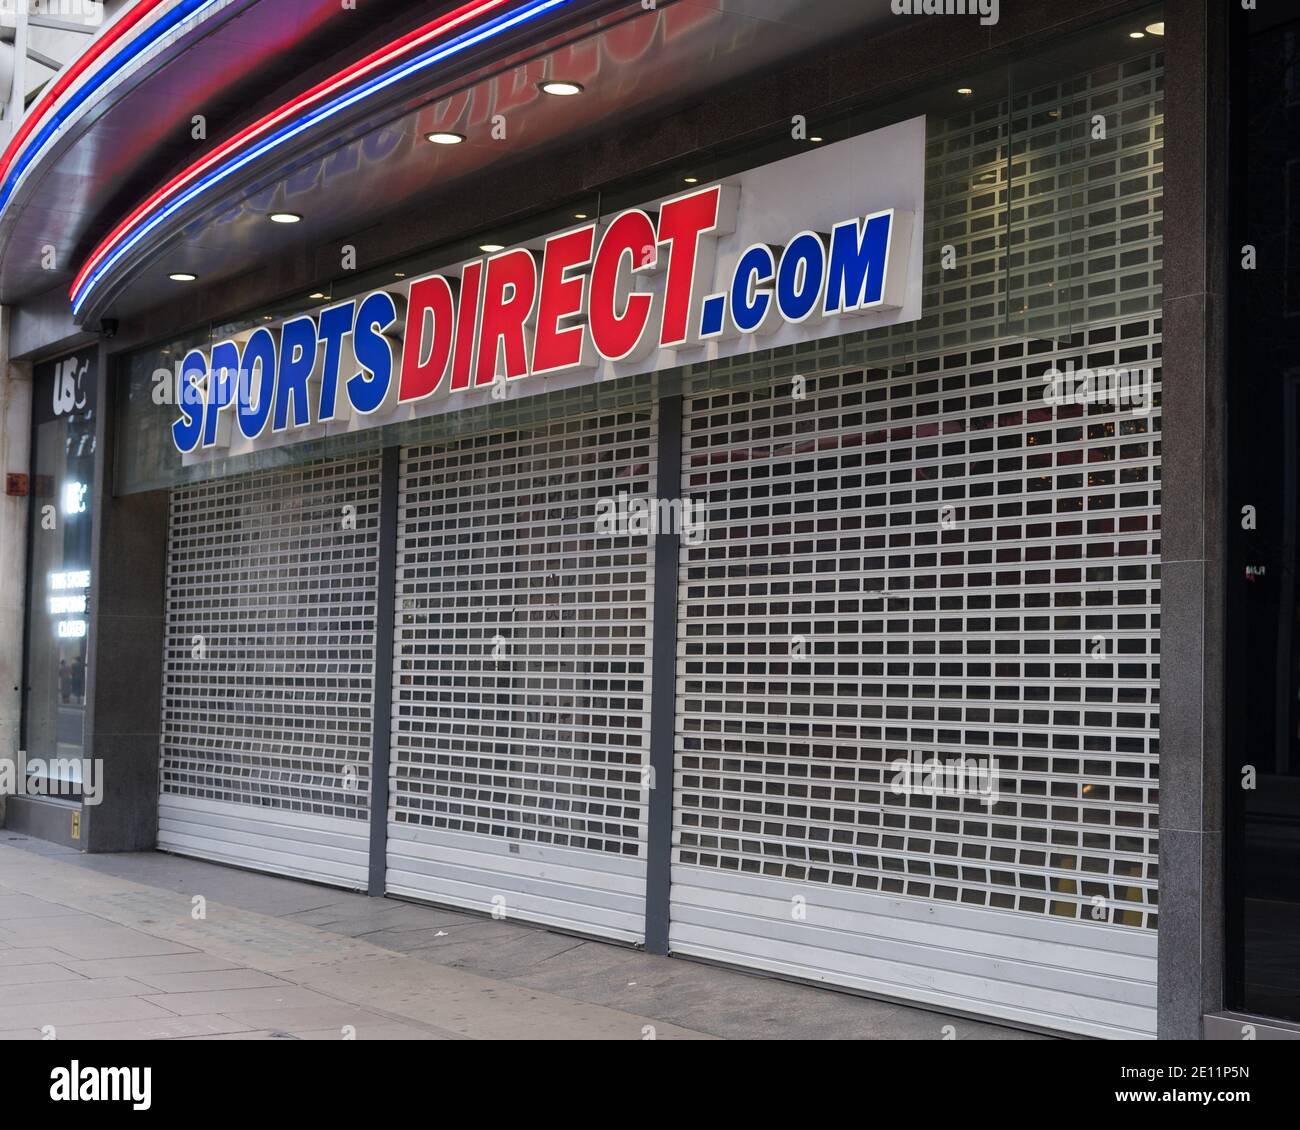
(63, 461)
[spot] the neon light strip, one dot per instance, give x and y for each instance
(81, 290)
(14, 163)
(79, 66)
(417, 38)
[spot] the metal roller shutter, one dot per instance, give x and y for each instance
(831, 624)
(925, 555)
(522, 677)
(268, 679)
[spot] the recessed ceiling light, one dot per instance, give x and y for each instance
(964, 90)
(399, 274)
(445, 137)
(816, 140)
(691, 180)
(182, 276)
(579, 215)
(266, 317)
(1137, 35)
(1157, 28)
(317, 294)
(491, 248)
(559, 88)
(284, 217)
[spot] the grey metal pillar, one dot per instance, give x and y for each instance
(663, 686)
(1191, 957)
(381, 725)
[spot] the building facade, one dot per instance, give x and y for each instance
(680, 473)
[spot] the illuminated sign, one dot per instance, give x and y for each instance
(755, 262)
(74, 498)
(71, 601)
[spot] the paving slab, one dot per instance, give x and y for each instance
(221, 1000)
(74, 989)
(210, 980)
(193, 961)
(264, 957)
(61, 1013)
(33, 973)
(165, 1027)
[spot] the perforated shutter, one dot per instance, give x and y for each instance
(522, 676)
(837, 618)
(268, 680)
(924, 557)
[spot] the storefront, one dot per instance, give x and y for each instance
(755, 557)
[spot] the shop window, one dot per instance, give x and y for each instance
(58, 582)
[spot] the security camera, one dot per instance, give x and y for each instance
(108, 327)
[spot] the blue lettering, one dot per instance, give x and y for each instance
(187, 430)
(221, 391)
(335, 325)
(800, 276)
(759, 264)
(297, 360)
(856, 275)
(374, 351)
(259, 357)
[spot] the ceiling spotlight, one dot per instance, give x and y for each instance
(691, 180)
(1157, 28)
(964, 91)
(491, 248)
(816, 140)
(284, 217)
(182, 276)
(318, 294)
(560, 89)
(1137, 35)
(399, 274)
(445, 137)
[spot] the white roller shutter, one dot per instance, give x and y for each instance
(522, 677)
(928, 561)
(268, 679)
(913, 552)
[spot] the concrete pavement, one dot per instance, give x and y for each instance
(152, 946)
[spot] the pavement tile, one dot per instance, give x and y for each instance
(60, 1013)
(33, 955)
(33, 973)
(319, 1017)
(93, 939)
(193, 962)
(77, 989)
(208, 980)
(13, 907)
(164, 1027)
(224, 1000)
(390, 1031)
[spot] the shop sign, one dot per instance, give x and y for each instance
(727, 268)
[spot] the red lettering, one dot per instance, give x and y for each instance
(619, 335)
(681, 224)
(466, 316)
(421, 377)
(561, 298)
(509, 292)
